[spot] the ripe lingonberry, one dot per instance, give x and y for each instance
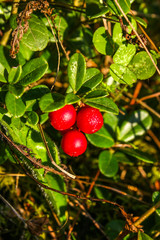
(74, 143)
(89, 119)
(63, 118)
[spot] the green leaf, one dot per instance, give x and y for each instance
(2, 74)
(103, 42)
(125, 5)
(143, 236)
(141, 21)
(142, 66)
(122, 74)
(32, 118)
(71, 98)
(101, 139)
(56, 200)
(110, 123)
(108, 164)
(95, 9)
(17, 90)
(96, 94)
(14, 74)
(155, 199)
(134, 125)
(15, 105)
(33, 71)
(43, 118)
(124, 54)
(36, 38)
(143, 156)
(51, 102)
(76, 71)
(92, 79)
(103, 104)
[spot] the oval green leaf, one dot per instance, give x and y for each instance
(92, 79)
(103, 42)
(51, 102)
(124, 54)
(122, 74)
(14, 74)
(76, 71)
(143, 236)
(125, 5)
(36, 38)
(142, 66)
(108, 164)
(143, 156)
(101, 139)
(15, 105)
(103, 104)
(71, 98)
(134, 125)
(17, 90)
(33, 71)
(32, 118)
(95, 9)
(96, 94)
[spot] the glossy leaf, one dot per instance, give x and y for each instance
(33, 71)
(134, 125)
(124, 54)
(2, 74)
(51, 102)
(125, 5)
(92, 79)
(143, 236)
(108, 164)
(110, 123)
(16, 89)
(14, 74)
(101, 139)
(76, 71)
(103, 104)
(141, 21)
(143, 156)
(155, 199)
(32, 117)
(122, 74)
(103, 42)
(71, 98)
(36, 38)
(15, 105)
(142, 66)
(96, 94)
(95, 9)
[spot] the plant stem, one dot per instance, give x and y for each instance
(147, 214)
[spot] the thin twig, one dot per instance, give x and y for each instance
(13, 145)
(139, 38)
(50, 156)
(13, 209)
(143, 104)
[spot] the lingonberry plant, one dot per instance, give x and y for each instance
(79, 117)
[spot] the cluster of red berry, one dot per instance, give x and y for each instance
(71, 122)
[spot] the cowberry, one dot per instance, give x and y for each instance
(89, 119)
(74, 143)
(63, 118)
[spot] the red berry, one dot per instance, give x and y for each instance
(63, 118)
(74, 143)
(89, 119)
